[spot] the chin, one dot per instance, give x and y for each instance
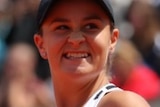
(77, 70)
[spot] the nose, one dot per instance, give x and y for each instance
(76, 38)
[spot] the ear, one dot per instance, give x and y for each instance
(114, 39)
(39, 42)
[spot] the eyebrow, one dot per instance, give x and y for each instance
(59, 20)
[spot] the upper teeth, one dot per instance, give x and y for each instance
(77, 55)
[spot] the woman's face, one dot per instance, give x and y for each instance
(76, 38)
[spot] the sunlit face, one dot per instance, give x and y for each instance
(76, 38)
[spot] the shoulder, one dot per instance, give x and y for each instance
(123, 99)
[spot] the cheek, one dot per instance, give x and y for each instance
(53, 52)
(102, 42)
(100, 46)
(53, 47)
(53, 42)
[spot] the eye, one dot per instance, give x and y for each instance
(91, 26)
(62, 27)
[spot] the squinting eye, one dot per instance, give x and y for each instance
(91, 26)
(63, 27)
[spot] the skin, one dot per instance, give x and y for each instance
(78, 28)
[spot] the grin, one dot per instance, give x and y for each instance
(76, 55)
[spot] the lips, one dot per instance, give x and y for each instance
(76, 55)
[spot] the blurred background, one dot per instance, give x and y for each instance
(25, 75)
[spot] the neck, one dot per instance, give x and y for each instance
(70, 93)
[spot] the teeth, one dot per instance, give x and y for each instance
(77, 55)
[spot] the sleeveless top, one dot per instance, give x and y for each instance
(95, 99)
